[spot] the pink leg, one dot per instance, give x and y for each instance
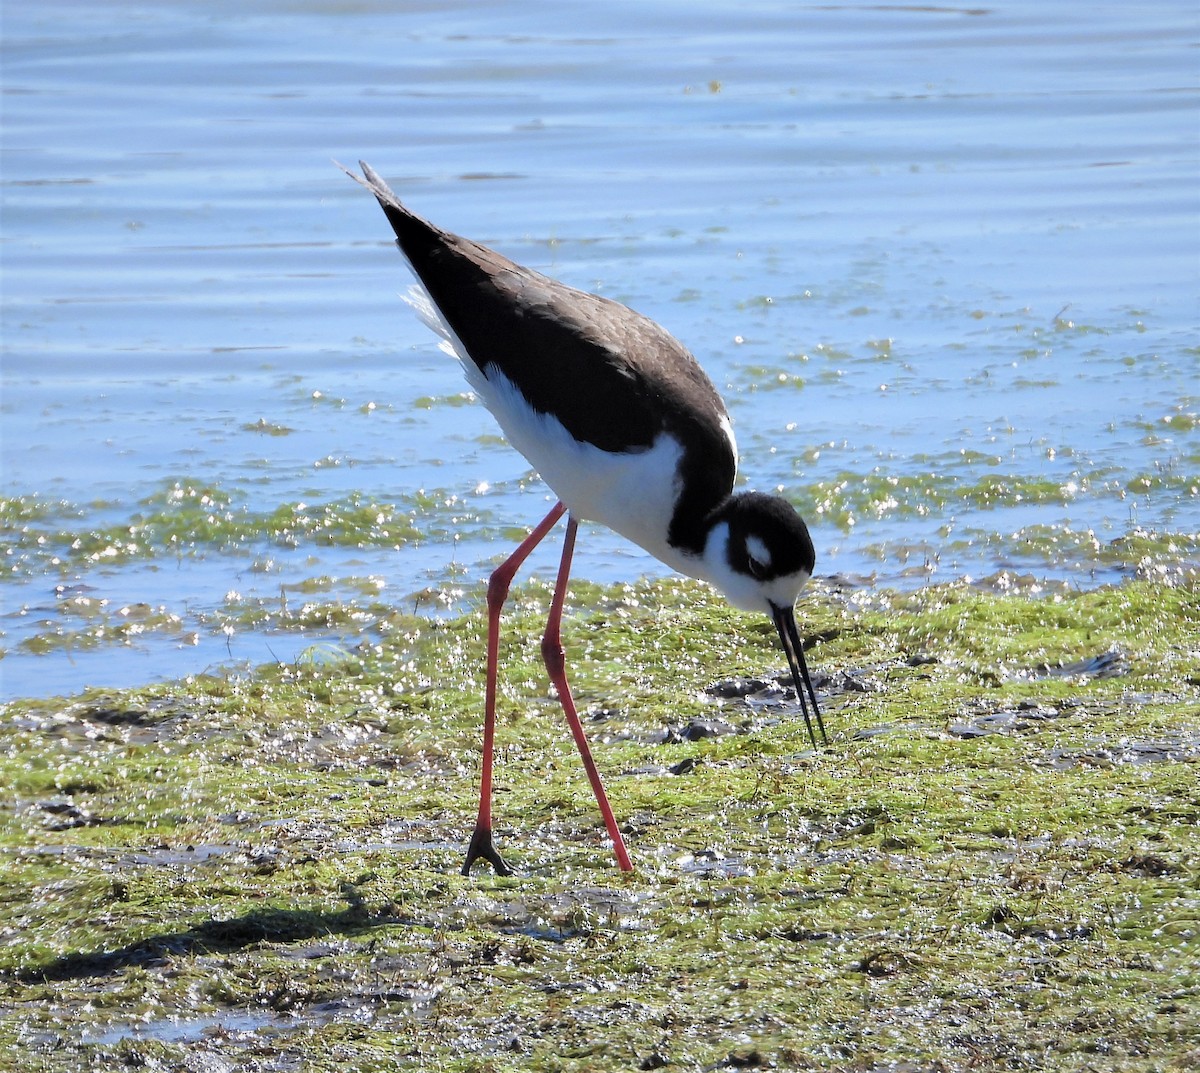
(501, 579)
(552, 652)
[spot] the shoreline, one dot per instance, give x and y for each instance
(332, 614)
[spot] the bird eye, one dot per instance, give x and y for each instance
(758, 558)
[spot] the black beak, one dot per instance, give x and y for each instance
(785, 623)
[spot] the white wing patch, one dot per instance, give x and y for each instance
(727, 428)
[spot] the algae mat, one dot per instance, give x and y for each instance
(992, 866)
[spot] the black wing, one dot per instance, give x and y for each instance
(612, 377)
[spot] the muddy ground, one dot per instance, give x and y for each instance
(993, 865)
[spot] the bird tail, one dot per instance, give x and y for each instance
(373, 181)
(418, 297)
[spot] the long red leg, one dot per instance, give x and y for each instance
(552, 652)
(498, 584)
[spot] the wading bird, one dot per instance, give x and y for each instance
(626, 429)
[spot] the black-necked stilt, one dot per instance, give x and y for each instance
(626, 429)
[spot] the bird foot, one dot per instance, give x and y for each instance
(481, 846)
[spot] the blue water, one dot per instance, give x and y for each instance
(903, 240)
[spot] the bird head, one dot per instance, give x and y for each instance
(760, 555)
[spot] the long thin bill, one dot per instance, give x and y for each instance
(785, 623)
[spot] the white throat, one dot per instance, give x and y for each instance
(743, 591)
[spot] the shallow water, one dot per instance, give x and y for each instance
(942, 262)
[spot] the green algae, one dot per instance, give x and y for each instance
(429, 402)
(186, 518)
(844, 499)
(993, 865)
(192, 518)
(267, 428)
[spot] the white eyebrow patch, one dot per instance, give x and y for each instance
(757, 551)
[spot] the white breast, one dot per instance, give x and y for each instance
(632, 493)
